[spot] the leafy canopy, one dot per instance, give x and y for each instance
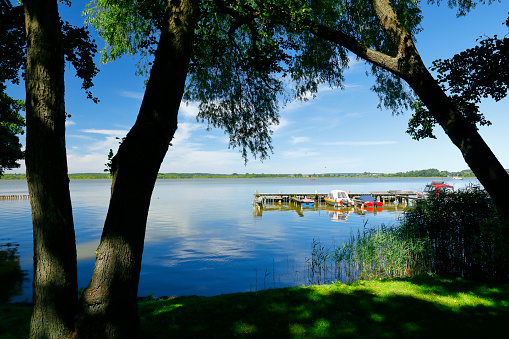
(250, 57)
(476, 73)
(79, 50)
(12, 42)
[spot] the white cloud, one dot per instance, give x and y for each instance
(354, 115)
(133, 95)
(185, 131)
(296, 140)
(299, 153)
(191, 159)
(359, 143)
(112, 132)
(282, 123)
(69, 123)
(189, 110)
(88, 163)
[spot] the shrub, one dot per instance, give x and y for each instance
(464, 234)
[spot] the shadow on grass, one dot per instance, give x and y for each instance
(420, 307)
(361, 310)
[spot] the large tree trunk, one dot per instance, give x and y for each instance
(465, 136)
(55, 277)
(110, 300)
(409, 66)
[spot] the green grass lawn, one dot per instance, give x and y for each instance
(419, 307)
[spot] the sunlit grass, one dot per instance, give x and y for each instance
(420, 307)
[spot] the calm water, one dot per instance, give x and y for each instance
(203, 235)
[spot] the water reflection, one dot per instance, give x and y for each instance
(220, 245)
(339, 215)
(11, 274)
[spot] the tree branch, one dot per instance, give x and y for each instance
(380, 59)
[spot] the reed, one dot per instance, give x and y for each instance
(464, 234)
(372, 253)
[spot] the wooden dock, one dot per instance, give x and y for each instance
(402, 197)
(14, 197)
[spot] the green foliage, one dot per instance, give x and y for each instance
(464, 233)
(108, 168)
(11, 275)
(11, 124)
(421, 123)
(427, 173)
(79, 50)
(12, 42)
(379, 252)
(250, 57)
(373, 253)
(464, 6)
(479, 72)
(128, 27)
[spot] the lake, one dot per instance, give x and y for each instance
(204, 237)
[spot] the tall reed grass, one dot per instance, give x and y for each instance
(459, 234)
(372, 253)
(464, 234)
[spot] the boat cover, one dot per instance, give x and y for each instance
(367, 198)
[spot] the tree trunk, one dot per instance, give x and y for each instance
(55, 277)
(479, 157)
(409, 66)
(110, 301)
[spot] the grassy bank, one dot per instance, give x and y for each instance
(422, 306)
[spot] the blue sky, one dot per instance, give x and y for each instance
(338, 131)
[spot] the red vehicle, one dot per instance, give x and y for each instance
(436, 186)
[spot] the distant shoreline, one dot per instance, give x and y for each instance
(432, 173)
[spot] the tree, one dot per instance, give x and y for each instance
(78, 50)
(55, 276)
(407, 65)
(237, 57)
(478, 72)
(109, 303)
(48, 40)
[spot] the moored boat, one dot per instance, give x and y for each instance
(437, 186)
(368, 201)
(306, 202)
(338, 198)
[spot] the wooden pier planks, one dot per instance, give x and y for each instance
(14, 197)
(402, 197)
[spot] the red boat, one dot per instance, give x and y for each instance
(437, 186)
(368, 201)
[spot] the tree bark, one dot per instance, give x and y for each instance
(109, 303)
(409, 66)
(55, 277)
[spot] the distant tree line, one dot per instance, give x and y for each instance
(432, 172)
(426, 173)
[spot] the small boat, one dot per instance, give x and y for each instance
(338, 198)
(437, 186)
(368, 201)
(307, 202)
(457, 178)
